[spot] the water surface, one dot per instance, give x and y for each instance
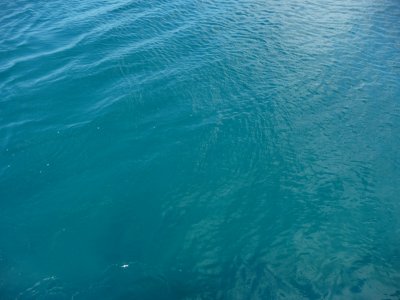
(200, 149)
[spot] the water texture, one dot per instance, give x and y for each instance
(199, 149)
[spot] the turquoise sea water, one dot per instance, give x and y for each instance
(200, 149)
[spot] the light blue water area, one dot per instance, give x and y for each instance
(199, 149)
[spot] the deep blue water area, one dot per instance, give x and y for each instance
(199, 149)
